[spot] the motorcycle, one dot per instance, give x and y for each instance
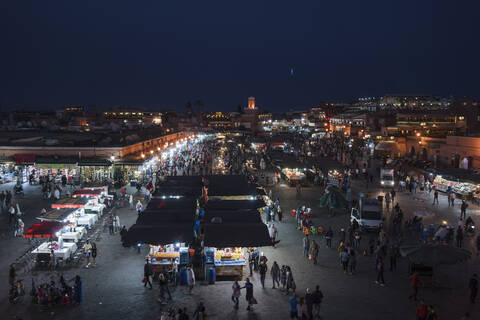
(18, 190)
(469, 226)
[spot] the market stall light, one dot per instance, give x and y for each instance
(151, 151)
(112, 158)
(142, 155)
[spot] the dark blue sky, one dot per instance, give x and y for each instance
(162, 52)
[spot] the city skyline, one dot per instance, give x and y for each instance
(288, 57)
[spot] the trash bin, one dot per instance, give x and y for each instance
(183, 277)
(211, 275)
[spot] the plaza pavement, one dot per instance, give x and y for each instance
(113, 288)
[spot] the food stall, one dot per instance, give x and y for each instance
(75, 217)
(96, 199)
(163, 258)
(225, 245)
(51, 230)
(89, 193)
(62, 250)
(70, 203)
(466, 185)
(71, 231)
(334, 177)
(227, 261)
(293, 175)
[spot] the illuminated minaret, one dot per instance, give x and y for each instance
(251, 103)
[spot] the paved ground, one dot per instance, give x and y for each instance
(114, 289)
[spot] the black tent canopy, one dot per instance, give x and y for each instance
(171, 204)
(159, 234)
(237, 216)
(234, 204)
(165, 217)
(224, 235)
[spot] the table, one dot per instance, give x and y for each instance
(94, 208)
(87, 220)
(62, 253)
(75, 236)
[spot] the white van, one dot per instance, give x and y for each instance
(368, 214)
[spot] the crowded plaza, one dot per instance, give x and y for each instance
(224, 226)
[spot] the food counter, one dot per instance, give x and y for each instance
(163, 258)
(229, 261)
(461, 188)
(293, 176)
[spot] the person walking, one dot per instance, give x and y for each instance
(459, 237)
(283, 276)
(301, 309)
(392, 195)
(110, 224)
(262, 269)
(309, 303)
(53, 260)
(380, 269)
(314, 251)
(431, 314)
(422, 311)
(473, 286)
(306, 245)
(415, 283)
(328, 237)
(272, 231)
(352, 261)
(235, 294)
(130, 201)
(248, 293)
(387, 200)
(344, 257)
(317, 301)
(190, 279)
(452, 198)
(94, 253)
(163, 286)
(88, 252)
(435, 197)
(147, 272)
(77, 290)
(279, 213)
(116, 223)
(293, 307)
(290, 281)
(463, 210)
(11, 215)
(393, 253)
(275, 273)
(251, 261)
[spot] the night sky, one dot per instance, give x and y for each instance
(161, 53)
